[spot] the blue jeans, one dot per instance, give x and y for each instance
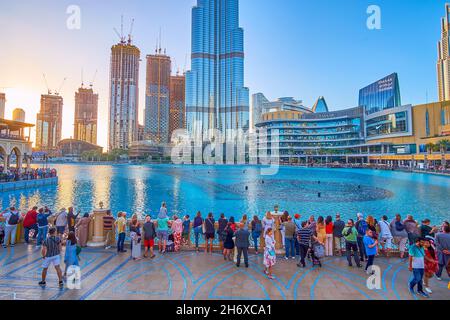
(27, 232)
(417, 279)
(121, 241)
(197, 233)
(289, 244)
(255, 236)
(42, 234)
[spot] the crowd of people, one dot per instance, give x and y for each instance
(13, 174)
(427, 247)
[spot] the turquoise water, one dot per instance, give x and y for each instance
(236, 190)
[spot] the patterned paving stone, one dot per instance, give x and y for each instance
(188, 275)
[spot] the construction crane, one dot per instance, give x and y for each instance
(56, 92)
(131, 32)
(60, 87)
(46, 84)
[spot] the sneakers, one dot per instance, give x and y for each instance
(428, 290)
(42, 283)
(108, 247)
(438, 278)
(293, 258)
(423, 294)
(286, 258)
(411, 291)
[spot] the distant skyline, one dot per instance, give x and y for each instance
(304, 49)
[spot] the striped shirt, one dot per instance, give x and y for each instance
(304, 236)
(52, 245)
(108, 222)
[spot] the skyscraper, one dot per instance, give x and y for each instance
(86, 108)
(215, 94)
(124, 94)
(2, 105)
(177, 103)
(49, 123)
(443, 63)
(258, 102)
(157, 97)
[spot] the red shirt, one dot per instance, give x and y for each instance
(30, 218)
(329, 228)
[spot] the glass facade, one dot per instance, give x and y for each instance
(340, 132)
(381, 95)
(215, 94)
(393, 123)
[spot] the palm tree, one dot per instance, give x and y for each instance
(430, 147)
(444, 145)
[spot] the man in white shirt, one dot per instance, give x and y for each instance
(385, 235)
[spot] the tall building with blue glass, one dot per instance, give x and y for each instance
(381, 95)
(216, 97)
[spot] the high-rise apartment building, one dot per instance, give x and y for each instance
(86, 109)
(157, 97)
(216, 97)
(443, 63)
(49, 122)
(177, 103)
(124, 95)
(2, 105)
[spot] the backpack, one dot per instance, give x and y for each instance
(13, 219)
(362, 227)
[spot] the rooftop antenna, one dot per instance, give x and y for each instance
(82, 78)
(93, 79)
(46, 84)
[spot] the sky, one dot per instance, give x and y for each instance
(299, 48)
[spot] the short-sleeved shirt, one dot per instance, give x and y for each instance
(209, 225)
(163, 224)
(108, 222)
(368, 241)
(121, 225)
(52, 245)
(418, 257)
(304, 236)
(186, 226)
(339, 225)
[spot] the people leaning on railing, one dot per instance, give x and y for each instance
(13, 174)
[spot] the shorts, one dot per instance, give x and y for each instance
(55, 260)
(162, 235)
(209, 236)
(387, 241)
(60, 230)
(149, 243)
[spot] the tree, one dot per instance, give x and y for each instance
(444, 145)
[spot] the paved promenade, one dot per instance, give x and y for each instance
(193, 276)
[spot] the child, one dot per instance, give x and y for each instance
(186, 229)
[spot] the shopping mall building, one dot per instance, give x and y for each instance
(381, 130)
